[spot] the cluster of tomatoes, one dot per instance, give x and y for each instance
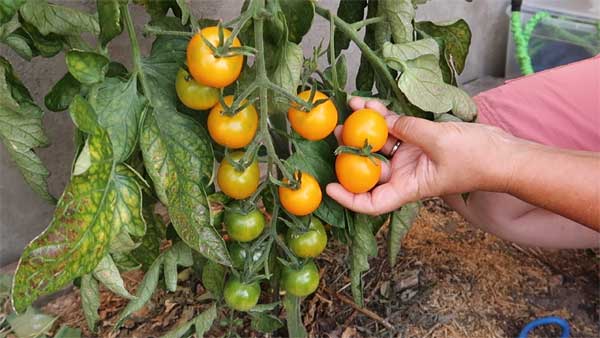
(364, 131)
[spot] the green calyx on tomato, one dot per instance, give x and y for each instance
(193, 94)
(205, 66)
(238, 184)
(243, 226)
(310, 243)
(241, 296)
(301, 282)
(232, 131)
(239, 252)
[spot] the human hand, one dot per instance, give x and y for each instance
(434, 159)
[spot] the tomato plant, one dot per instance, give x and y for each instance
(138, 148)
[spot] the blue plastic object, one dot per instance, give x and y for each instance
(564, 325)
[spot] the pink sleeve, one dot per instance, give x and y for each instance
(559, 107)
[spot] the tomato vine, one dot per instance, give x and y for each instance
(141, 146)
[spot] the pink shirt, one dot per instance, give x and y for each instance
(559, 107)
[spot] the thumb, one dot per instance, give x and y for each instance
(420, 132)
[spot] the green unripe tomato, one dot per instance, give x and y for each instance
(244, 227)
(193, 94)
(308, 243)
(301, 282)
(241, 296)
(239, 253)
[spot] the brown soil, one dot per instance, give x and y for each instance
(451, 280)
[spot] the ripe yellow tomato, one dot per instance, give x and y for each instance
(365, 124)
(305, 199)
(357, 173)
(318, 122)
(236, 184)
(208, 69)
(193, 94)
(235, 131)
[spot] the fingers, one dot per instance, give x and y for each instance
(357, 103)
(382, 199)
(338, 134)
(420, 132)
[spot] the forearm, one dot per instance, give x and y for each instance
(562, 181)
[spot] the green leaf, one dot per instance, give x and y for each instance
(20, 45)
(122, 243)
(398, 16)
(78, 235)
(149, 248)
(68, 332)
(394, 53)
(90, 300)
(423, 85)
(401, 221)
(350, 11)
(144, 291)
(158, 8)
(288, 71)
(62, 93)
(21, 130)
(185, 11)
(108, 274)
(213, 278)
(83, 115)
(364, 246)
(299, 15)
(126, 262)
(128, 203)
(8, 8)
(109, 16)
(366, 75)
(204, 321)
(317, 158)
(46, 46)
(50, 18)
(447, 118)
(342, 74)
(294, 317)
(119, 109)
(456, 37)
(31, 324)
(167, 55)
(463, 105)
(178, 155)
(265, 323)
(179, 254)
(87, 67)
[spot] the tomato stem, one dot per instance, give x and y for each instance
(378, 65)
(135, 52)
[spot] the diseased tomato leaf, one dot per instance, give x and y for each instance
(79, 233)
(50, 18)
(178, 154)
(119, 109)
(21, 130)
(87, 67)
(456, 37)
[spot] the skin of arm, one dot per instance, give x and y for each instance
(437, 159)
